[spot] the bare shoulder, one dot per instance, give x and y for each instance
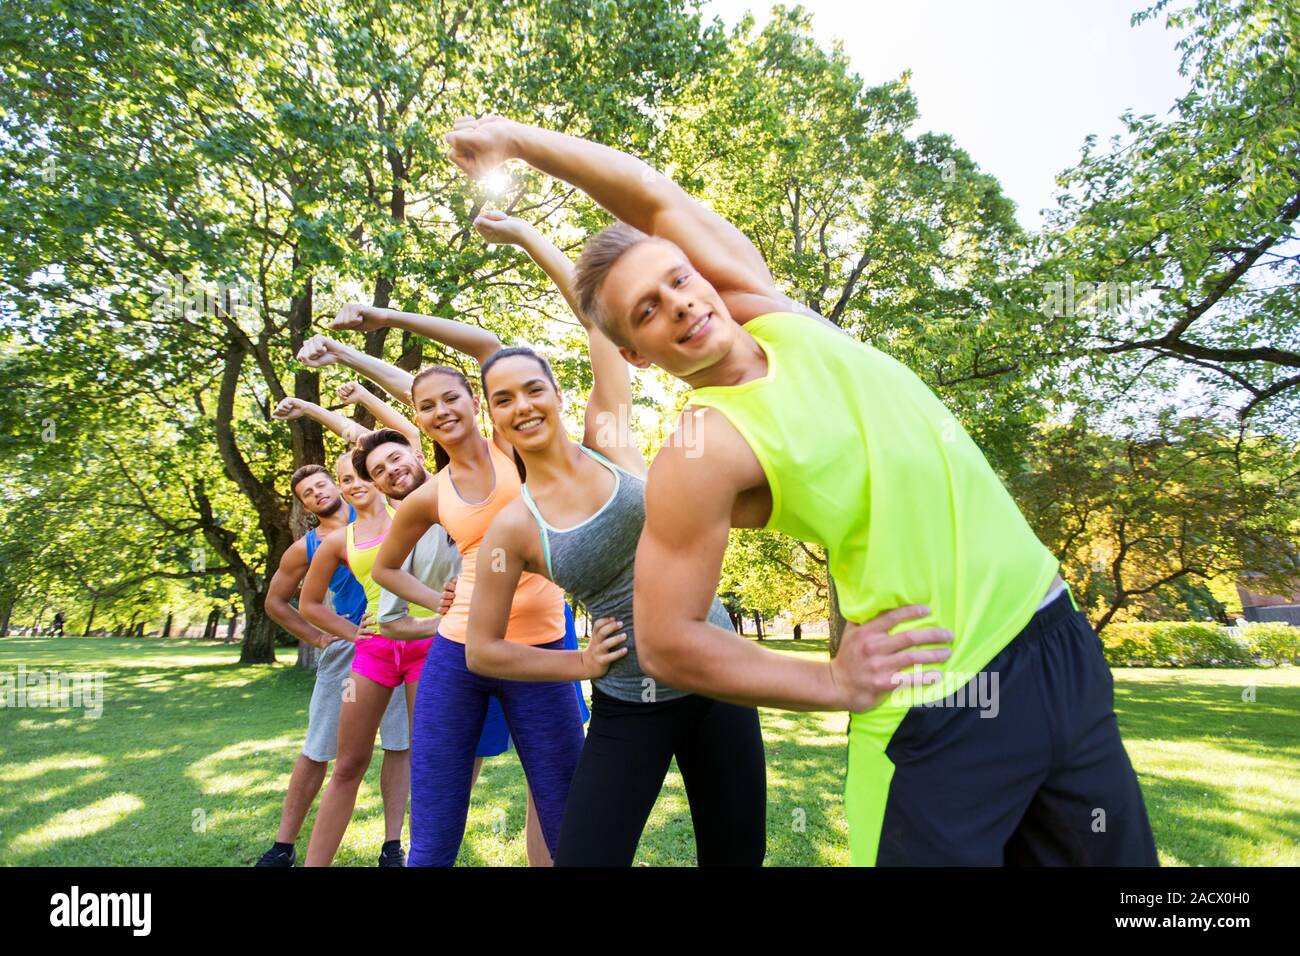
(697, 468)
(511, 521)
(294, 559)
(422, 502)
(707, 455)
(619, 450)
(706, 442)
(744, 306)
(336, 542)
(515, 530)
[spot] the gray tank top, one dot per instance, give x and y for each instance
(593, 561)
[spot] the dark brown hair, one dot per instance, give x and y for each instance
(511, 352)
(440, 457)
(369, 443)
(306, 471)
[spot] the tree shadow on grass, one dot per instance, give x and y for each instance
(221, 739)
(1174, 710)
(1214, 768)
(162, 745)
(1199, 823)
(805, 820)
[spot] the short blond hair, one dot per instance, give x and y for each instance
(599, 254)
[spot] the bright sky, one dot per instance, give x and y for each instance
(1018, 83)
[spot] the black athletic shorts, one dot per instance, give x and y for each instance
(1030, 770)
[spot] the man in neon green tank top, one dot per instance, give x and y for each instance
(797, 427)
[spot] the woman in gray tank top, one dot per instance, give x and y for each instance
(578, 522)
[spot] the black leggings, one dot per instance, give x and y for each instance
(719, 751)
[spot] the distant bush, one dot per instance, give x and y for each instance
(1131, 645)
(1273, 641)
(1198, 644)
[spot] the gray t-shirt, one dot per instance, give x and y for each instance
(434, 560)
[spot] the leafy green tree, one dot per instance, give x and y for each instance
(188, 188)
(1144, 522)
(1176, 242)
(770, 574)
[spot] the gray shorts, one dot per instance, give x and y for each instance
(333, 668)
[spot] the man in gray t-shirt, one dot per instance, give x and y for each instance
(434, 560)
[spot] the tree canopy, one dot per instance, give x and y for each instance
(190, 191)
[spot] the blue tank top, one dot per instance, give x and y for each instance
(346, 592)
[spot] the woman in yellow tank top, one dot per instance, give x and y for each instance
(379, 668)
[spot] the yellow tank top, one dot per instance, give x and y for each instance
(863, 458)
(361, 559)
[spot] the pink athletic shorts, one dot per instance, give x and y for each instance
(390, 662)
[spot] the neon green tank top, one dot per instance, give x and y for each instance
(864, 459)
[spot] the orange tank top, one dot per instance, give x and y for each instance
(537, 614)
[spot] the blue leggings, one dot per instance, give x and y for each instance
(450, 707)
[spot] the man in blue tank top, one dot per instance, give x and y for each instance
(314, 488)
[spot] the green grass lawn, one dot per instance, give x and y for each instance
(188, 761)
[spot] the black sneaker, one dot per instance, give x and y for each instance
(392, 855)
(275, 857)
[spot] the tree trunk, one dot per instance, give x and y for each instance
(758, 625)
(167, 628)
(308, 656)
(258, 646)
(798, 632)
(90, 620)
(259, 639)
(4, 622)
(230, 628)
(833, 616)
(308, 437)
(260, 632)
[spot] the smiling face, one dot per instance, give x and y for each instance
(444, 409)
(396, 469)
(525, 406)
(665, 311)
(356, 491)
(319, 494)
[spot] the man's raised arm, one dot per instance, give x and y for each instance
(624, 185)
